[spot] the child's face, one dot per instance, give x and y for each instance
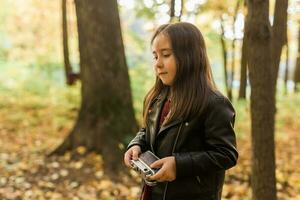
(164, 59)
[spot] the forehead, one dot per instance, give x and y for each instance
(161, 42)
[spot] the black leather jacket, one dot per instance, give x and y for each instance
(204, 148)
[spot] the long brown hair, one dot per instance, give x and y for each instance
(193, 81)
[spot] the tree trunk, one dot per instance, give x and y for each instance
(224, 53)
(172, 10)
(233, 47)
(173, 17)
(244, 62)
(259, 37)
(181, 10)
(68, 68)
(106, 117)
(243, 73)
(297, 67)
(279, 31)
(286, 72)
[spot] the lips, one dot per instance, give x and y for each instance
(162, 73)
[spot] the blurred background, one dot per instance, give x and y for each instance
(47, 64)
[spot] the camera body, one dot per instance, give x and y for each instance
(142, 165)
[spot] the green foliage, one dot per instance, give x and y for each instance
(38, 111)
(242, 118)
(287, 114)
(141, 81)
(31, 32)
(135, 48)
(4, 42)
(17, 82)
(142, 10)
(145, 12)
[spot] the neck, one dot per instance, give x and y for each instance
(168, 93)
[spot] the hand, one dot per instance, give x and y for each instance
(132, 154)
(167, 171)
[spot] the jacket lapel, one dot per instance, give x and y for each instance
(168, 125)
(154, 116)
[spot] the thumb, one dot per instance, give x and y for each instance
(157, 164)
(135, 154)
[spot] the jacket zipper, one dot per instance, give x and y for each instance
(173, 149)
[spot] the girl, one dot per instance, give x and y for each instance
(187, 123)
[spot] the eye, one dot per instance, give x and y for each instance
(167, 55)
(154, 57)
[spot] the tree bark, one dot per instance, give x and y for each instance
(243, 72)
(233, 47)
(172, 10)
(173, 17)
(181, 10)
(262, 101)
(286, 72)
(224, 53)
(244, 63)
(106, 117)
(297, 67)
(67, 65)
(279, 31)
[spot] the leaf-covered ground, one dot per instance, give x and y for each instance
(33, 125)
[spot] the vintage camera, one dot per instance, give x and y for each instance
(142, 165)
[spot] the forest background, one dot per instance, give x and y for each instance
(38, 109)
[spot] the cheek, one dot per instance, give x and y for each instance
(171, 64)
(174, 74)
(174, 68)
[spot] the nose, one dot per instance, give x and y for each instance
(158, 63)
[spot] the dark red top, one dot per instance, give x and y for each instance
(146, 193)
(164, 112)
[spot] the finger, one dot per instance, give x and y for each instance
(157, 164)
(135, 154)
(156, 177)
(127, 160)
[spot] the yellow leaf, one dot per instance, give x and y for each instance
(81, 150)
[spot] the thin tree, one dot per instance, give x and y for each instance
(287, 55)
(243, 71)
(181, 10)
(173, 17)
(233, 47)
(172, 10)
(297, 67)
(106, 116)
(225, 58)
(244, 63)
(286, 72)
(70, 75)
(67, 64)
(279, 31)
(262, 100)
(228, 75)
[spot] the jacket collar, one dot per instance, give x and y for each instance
(154, 115)
(168, 125)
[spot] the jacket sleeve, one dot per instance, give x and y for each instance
(220, 143)
(139, 139)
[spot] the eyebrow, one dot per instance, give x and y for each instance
(163, 49)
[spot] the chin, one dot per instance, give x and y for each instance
(167, 84)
